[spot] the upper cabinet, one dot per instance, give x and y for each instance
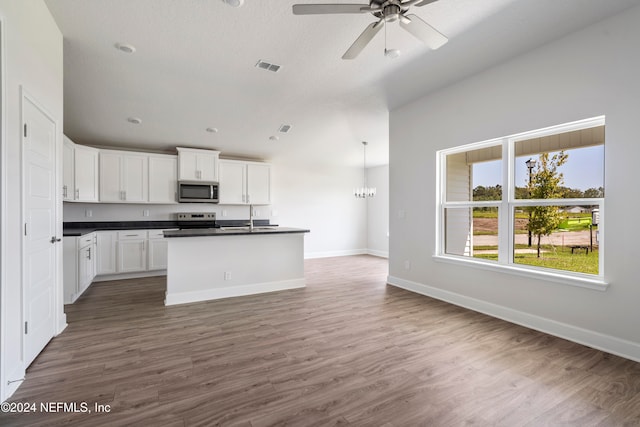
(124, 177)
(163, 176)
(197, 165)
(243, 183)
(80, 172)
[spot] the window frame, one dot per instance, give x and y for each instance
(506, 211)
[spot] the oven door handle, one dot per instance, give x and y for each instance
(211, 191)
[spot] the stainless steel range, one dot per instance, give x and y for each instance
(197, 220)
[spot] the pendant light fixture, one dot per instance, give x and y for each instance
(364, 191)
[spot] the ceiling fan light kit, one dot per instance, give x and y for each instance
(385, 11)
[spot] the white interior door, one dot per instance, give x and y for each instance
(40, 241)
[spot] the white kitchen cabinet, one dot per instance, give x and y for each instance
(68, 170)
(197, 165)
(233, 185)
(124, 177)
(86, 173)
(163, 178)
(258, 183)
(80, 172)
(79, 265)
(157, 250)
(132, 253)
(106, 252)
(243, 183)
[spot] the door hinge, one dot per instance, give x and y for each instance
(25, 130)
(26, 328)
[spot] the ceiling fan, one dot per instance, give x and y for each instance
(385, 11)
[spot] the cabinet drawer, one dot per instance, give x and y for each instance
(87, 239)
(156, 234)
(132, 234)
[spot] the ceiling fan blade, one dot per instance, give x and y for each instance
(425, 2)
(363, 40)
(423, 31)
(405, 4)
(321, 9)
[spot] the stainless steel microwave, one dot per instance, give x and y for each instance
(197, 192)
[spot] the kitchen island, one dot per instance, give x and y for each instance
(214, 263)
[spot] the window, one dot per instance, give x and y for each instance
(530, 202)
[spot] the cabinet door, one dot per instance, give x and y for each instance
(197, 165)
(232, 182)
(157, 254)
(106, 252)
(110, 171)
(207, 166)
(70, 268)
(258, 183)
(163, 176)
(86, 174)
(188, 166)
(135, 184)
(132, 255)
(86, 267)
(68, 173)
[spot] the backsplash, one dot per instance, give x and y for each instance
(95, 212)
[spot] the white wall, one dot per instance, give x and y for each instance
(32, 50)
(378, 212)
(590, 73)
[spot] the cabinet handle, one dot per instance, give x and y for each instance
(247, 198)
(64, 191)
(77, 193)
(89, 254)
(124, 195)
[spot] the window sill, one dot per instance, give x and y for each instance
(582, 281)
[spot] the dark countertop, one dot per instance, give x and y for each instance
(82, 228)
(233, 231)
(70, 229)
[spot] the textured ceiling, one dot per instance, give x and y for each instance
(194, 68)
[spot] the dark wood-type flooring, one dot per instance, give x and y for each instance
(347, 350)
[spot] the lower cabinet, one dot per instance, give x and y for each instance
(79, 267)
(157, 250)
(106, 252)
(131, 251)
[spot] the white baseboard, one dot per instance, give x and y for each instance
(235, 291)
(381, 254)
(329, 254)
(120, 276)
(610, 344)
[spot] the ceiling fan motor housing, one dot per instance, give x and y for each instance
(389, 10)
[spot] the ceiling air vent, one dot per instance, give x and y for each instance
(284, 128)
(267, 66)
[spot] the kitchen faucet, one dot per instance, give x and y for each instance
(250, 217)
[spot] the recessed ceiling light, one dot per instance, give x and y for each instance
(273, 138)
(212, 130)
(134, 120)
(126, 48)
(234, 3)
